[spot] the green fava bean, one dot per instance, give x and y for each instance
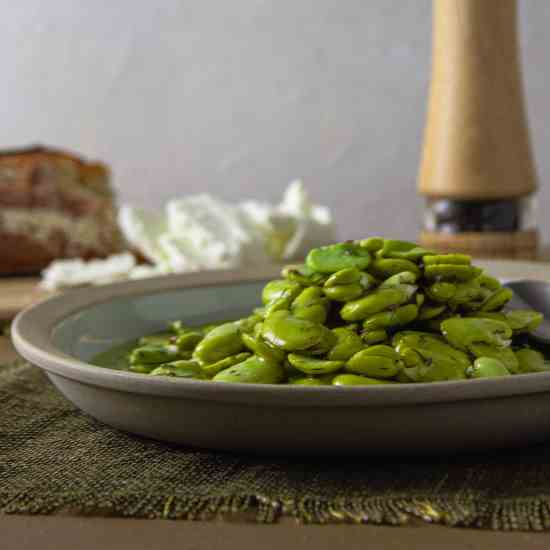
(488, 367)
(142, 369)
(441, 291)
(447, 259)
(257, 332)
(379, 300)
(278, 304)
(403, 278)
(387, 267)
(253, 370)
(410, 357)
(439, 369)
(343, 277)
(303, 275)
(180, 369)
(402, 250)
(213, 368)
(377, 362)
(462, 332)
(408, 375)
(344, 293)
(161, 339)
(494, 315)
(220, 342)
(372, 244)
(248, 324)
(379, 321)
(325, 345)
(283, 330)
(465, 293)
(367, 281)
(348, 343)
(415, 338)
(489, 282)
(386, 319)
(371, 337)
(523, 320)
(260, 312)
(505, 355)
(188, 340)
(451, 272)
(335, 257)
(316, 313)
(497, 300)
(429, 311)
(255, 345)
(309, 296)
(381, 351)
(311, 365)
(356, 380)
(530, 360)
(311, 304)
(312, 381)
(280, 288)
(154, 354)
(429, 346)
(405, 314)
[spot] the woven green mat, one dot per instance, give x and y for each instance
(53, 459)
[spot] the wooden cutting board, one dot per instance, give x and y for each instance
(16, 293)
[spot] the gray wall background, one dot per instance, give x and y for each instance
(239, 97)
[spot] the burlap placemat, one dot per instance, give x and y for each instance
(54, 459)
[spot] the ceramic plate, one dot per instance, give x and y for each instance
(62, 334)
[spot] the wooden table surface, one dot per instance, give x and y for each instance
(81, 533)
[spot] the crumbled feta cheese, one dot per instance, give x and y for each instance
(211, 227)
(61, 273)
(299, 224)
(142, 229)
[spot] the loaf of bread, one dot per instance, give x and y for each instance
(54, 205)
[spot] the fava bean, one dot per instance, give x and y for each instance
(253, 370)
(146, 355)
(530, 360)
(356, 380)
(219, 343)
(284, 331)
(488, 367)
(311, 365)
(335, 257)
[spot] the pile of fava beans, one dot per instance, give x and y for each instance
(375, 311)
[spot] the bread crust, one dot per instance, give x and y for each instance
(39, 185)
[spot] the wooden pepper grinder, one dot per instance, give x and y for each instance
(477, 172)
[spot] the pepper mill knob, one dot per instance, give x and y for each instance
(477, 171)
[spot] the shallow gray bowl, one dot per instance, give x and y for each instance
(63, 333)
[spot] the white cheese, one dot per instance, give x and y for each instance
(180, 253)
(212, 227)
(66, 273)
(142, 229)
(300, 224)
